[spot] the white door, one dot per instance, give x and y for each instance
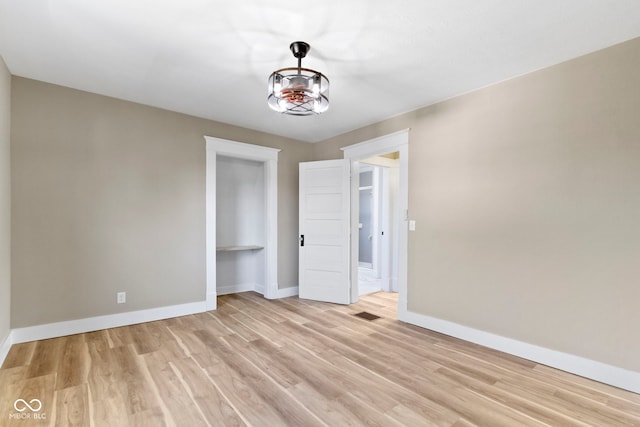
(324, 231)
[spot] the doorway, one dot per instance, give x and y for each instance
(241, 254)
(368, 216)
(329, 213)
(378, 223)
(390, 153)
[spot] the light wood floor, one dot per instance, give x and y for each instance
(294, 362)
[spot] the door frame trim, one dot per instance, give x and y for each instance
(268, 156)
(397, 141)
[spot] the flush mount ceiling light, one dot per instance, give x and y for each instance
(298, 91)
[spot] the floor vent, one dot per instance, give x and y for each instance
(367, 316)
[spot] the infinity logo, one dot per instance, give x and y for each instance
(37, 405)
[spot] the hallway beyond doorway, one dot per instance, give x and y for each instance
(368, 283)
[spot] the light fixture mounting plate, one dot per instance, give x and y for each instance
(299, 49)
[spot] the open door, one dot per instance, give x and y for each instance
(324, 231)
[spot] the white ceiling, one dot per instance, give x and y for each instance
(211, 58)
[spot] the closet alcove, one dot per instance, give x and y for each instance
(241, 219)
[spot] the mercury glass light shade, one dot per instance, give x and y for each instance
(298, 91)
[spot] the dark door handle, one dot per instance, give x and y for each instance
(302, 240)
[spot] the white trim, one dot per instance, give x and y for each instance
(393, 285)
(210, 227)
(386, 227)
(597, 371)
(376, 227)
(403, 229)
(270, 288)
(79, 326)
(354, 231)
(225, 147)
(212, 299)
(287, 292)
(376, 146)
(397, 141)
(6, 346)
(240, 287)
(269, 156)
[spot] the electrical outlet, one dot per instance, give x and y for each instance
(121, 297)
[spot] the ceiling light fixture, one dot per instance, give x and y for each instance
(298, 91)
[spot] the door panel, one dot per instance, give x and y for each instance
(324, 223)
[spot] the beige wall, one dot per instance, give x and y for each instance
(5, 201)
(527, 201)
(110, 196)
(525, 196)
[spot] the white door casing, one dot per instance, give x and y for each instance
(324, 229)
(269, 156)
(398, 141)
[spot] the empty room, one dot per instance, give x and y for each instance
(336, 213)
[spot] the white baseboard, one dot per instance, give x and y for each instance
(598, 371)
(393, 284)
(235, 289)
(287, 292)
(212, 301)
(7, 342)
(70, 327)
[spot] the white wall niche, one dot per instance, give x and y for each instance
(241, 219)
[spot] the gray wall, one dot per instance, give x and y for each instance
(527, 201)
(109, 196)
(5, 201)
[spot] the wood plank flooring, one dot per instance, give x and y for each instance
(293, 362)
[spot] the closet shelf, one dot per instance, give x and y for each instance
(238, 248)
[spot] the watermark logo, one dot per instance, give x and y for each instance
(28, 410)
(21, 405)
